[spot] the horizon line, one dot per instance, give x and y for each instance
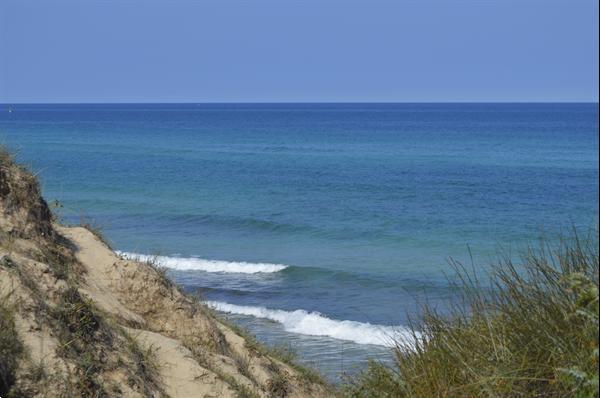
(295, 102)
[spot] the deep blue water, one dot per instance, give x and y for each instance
(363, 203)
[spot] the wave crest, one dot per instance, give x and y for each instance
(199, 264)
(315, 324)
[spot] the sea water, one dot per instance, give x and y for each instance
(319, 227)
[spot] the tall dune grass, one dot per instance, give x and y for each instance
(532, 331)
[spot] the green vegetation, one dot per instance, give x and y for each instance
(83, 335)
(5, 156)
(39, 308)
(533, 333)
(17, 193)
(61, 261)
(278, 386)
(7, 262)
(146, 373)
(243, 391)
(11, 347)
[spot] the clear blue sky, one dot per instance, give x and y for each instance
(298, 50)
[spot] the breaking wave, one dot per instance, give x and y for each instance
(199, 264)
(315, 324)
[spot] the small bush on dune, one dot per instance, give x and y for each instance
(533, 333)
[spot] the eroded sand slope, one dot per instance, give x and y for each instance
(90, 323)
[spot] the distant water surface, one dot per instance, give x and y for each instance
(317, 226)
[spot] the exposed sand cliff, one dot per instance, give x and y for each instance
(78, 320)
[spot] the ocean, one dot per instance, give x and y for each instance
(319, 227)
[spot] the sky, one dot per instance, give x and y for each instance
(70, 51)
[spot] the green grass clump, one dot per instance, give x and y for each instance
(6, 157)
(84, 337)
(7, 262)
(11, 347)
(278, 386)
(533, 333)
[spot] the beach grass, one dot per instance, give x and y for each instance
(11, 346)
(530, 329)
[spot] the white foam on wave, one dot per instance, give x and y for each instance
(315, 324)
(199, 264)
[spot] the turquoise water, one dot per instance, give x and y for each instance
(316, 225)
